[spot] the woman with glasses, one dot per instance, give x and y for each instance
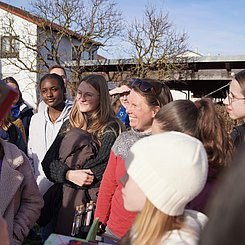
(235, 105)
(146, 97)
(79, 155)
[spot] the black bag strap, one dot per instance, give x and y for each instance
(13, 135)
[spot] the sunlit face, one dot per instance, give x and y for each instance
(52, 93)
(14, 86)
(236, 106)
(88, 98)
(140, 114)
(124, 96)
(133, 196)
(60, 72)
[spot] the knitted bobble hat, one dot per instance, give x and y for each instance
(170, 168)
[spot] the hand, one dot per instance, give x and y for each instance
(80, 177)
(4, 238)
(101, 229)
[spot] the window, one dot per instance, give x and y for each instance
(9, 47)
(92, 54)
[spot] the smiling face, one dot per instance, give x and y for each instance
(236, 106)
(52, 93)
(133, 196)
(140, 114)
(124, 95)
(88, 98)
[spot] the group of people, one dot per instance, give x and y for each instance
(151, 164)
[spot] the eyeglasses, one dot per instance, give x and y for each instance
(232, 98)
(87, 96)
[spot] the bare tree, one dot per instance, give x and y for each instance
(93, 22)
(157, 45)
(84, 25)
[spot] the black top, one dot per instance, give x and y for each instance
(238, 135)
(55, 170)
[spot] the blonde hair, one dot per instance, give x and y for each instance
(151, 225)
(102, 117)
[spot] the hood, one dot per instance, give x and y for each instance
(63, 116)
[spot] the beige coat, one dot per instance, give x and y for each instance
(20, 199)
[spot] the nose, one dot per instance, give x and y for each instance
(226, 101)
(49, 93)
(128, 107)
(81, 97)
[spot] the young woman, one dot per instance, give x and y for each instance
(194, 119)
(92, 113)
(235, 105)
(146, 97)
(21, 113)
(166, 171)
(59, 70)
(20, 199)
(46, 124)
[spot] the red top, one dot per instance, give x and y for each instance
(109, 206)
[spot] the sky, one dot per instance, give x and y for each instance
(214, 27)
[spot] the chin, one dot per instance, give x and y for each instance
(133, 124)
(82, 109)
(127, 207)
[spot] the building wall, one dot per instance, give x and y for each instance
(27, 32)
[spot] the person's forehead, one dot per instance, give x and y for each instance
(133, 95)
(47, 83)
(235, 88)
(86, 87)
(13, 85)
(58, 71)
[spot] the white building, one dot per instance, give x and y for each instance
(21, 46)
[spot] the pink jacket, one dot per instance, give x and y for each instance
(20, 199)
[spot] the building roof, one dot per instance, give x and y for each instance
(41, 21)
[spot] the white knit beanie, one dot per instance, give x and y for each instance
(170, 168)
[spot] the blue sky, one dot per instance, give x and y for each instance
(214, 27)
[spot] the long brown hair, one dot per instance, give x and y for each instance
(102, 117)
(201, 120)
(151, 224)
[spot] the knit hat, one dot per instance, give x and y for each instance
(170, 168)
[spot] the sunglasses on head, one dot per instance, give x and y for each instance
(147, 87)
(142, 85)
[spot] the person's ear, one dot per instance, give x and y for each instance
(155, 110)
